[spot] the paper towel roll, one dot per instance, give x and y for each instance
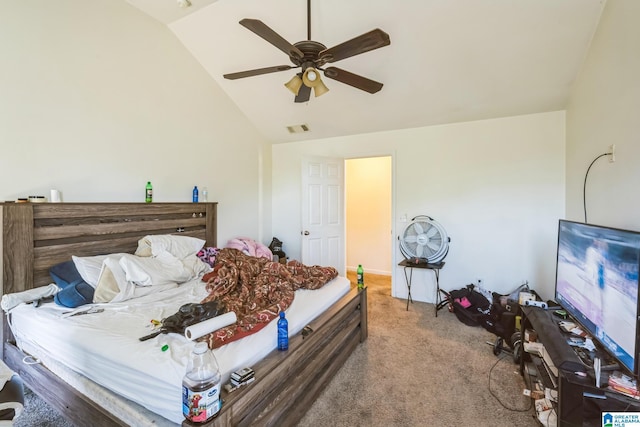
(55, 196)
(203, 328)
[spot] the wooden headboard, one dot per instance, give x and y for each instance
(37, 236)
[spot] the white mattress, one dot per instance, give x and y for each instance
(105, 347)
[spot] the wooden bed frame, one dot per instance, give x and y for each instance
(36, 236)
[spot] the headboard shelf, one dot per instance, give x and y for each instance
(115, 209)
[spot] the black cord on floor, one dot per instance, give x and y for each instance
(584, 186)
(497, 398)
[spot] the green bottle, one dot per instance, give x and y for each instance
(148, 198)
(360, 272)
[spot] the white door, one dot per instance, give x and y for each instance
(323, 212)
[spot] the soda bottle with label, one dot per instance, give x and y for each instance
(148, 193)
(360, 272)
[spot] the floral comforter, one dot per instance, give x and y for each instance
(256, 289)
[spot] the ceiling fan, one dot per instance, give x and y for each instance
(310, 56)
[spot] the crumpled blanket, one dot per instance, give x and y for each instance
(250, 247)
(257, 290)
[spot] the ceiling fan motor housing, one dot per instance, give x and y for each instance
(311, 57)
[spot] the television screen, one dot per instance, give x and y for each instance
(597, 283)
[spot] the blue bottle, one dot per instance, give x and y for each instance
(283, 332)
(195, 194)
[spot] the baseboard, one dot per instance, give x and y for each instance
(378, 272)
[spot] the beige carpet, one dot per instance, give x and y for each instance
(414, 370)
(419, 370)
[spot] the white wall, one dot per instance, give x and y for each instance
(605, 109)
(97, 98)
(497, 187)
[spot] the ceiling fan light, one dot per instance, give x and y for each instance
(310, 77)
(294, 84)
(320, 89)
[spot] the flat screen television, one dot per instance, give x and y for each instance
(597, 284)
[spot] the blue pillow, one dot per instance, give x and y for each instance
(65, 274)
(74, 291)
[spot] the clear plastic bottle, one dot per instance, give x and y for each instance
(205, 194)
(195, 194)
(201, 386)
(360, 273)
(148, 193)
(283, 332)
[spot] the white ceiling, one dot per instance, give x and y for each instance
(449, 60)
(168, 11)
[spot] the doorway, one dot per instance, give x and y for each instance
(368, 205)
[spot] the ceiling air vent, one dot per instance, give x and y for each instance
(298, 128)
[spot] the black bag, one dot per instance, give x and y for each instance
(474, 309)
(187, 315)
(469, 306)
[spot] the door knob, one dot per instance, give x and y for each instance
(305, 232)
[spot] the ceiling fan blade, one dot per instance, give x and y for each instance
(374, 39)
(304, 94)
(354, 80)
(261, 29)
(257, 72)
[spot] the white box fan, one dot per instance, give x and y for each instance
(424, 240)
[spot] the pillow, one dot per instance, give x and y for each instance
(178, 246)
(113, 285)
(65, 274)
(90, 267)
(75, 295)
(107, 287)
(74, 291)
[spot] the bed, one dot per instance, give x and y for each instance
(38, 236)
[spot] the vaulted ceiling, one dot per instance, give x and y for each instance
(448, 61)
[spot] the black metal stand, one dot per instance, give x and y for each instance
(408, 276)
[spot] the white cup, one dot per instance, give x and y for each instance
(55, 196)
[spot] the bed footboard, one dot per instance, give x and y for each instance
(287, 383)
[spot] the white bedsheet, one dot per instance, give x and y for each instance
(105, 347)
